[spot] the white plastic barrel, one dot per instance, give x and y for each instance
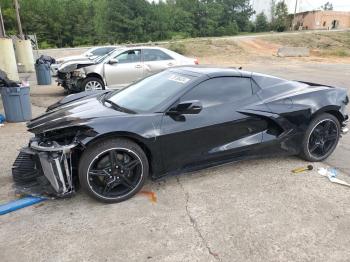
(24, 55)
(8, 59)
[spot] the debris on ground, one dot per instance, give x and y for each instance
(20, 203)
(302, 169)
(331, 174)
(151, 195)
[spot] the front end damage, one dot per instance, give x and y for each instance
(45, 168)
(71, 81)
(71, 74)
(48, 165)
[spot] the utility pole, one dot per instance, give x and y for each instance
(2, 27)
(20, 31)
(295, 11)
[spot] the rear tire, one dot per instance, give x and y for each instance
(92, 83)
(321, 138)
(113, 170)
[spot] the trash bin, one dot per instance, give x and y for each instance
(43, 74)
(16, 102)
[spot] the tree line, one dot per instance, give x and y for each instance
(64, 23)
(280, 20)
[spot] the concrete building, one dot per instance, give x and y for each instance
(319, 19)
(302, 6)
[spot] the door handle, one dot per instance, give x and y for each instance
(138, 66)
(170, 64)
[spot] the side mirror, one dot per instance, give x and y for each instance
(89, 54)
(113, 61)
(187, 108)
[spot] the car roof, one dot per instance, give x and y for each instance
(103, 46)
(211, 71)
(120, 49)
(143, 47)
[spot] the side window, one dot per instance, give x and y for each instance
(220, 90)
(155, 55)
(131, 56)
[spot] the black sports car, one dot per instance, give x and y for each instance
(178, 120)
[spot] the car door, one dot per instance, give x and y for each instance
(125, 69)
(155, 60)
(219, 131)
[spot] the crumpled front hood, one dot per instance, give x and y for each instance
(76, 113)
(75, 64)
(70, 58)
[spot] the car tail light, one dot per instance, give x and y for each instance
(196, 62)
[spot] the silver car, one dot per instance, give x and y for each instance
(118, 69)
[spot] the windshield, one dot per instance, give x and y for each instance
(99, 59)
(102, 51)
(149, 93)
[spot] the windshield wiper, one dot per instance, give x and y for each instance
(119, 108)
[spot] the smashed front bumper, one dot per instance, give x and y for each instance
(68, 82)
(44, 169)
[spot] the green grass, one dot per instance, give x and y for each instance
(326, 43)
(338, 52)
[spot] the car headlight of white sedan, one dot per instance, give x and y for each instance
(78, 73)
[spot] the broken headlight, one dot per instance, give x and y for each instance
(78, 73)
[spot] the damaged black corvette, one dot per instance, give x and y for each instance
(182, 119)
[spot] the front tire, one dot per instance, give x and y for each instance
(113, 170)
(92, 83)
(321, 138)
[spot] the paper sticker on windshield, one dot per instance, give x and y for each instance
(180, 79)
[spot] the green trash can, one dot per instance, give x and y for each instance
(43, 74)
(16, 102)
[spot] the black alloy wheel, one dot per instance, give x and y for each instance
(116, 171)
(322, 137)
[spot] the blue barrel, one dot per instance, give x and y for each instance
(43, 74)
(16, 102)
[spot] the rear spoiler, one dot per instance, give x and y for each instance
(314, 84)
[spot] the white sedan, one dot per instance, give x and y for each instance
(118, 69)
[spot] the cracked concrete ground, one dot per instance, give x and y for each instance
(252, 210)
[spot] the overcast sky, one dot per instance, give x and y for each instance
(303, 5)
(306, 5)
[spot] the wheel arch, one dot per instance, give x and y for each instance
(332, 110)
(96, 75)
(126, 135)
